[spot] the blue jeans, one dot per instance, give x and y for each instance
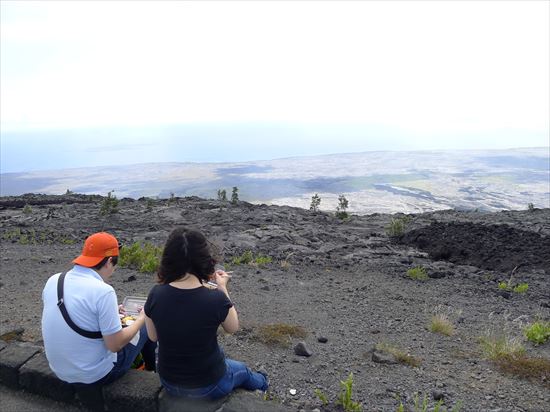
(237, 375)
(90, 394)
(125, 357)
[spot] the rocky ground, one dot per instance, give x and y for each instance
(343, 280)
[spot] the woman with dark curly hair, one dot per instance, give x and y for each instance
(183, 314)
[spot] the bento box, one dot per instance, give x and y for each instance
(132, 306)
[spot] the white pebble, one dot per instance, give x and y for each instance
(292, 392)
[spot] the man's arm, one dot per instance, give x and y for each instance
(120, 339)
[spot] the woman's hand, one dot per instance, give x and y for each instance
(221, 278)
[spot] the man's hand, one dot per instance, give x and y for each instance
(121, 310)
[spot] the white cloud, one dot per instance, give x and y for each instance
(424, 67)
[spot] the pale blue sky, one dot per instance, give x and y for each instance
(234, 81)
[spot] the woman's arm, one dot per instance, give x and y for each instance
(151, 330)
(231, 322)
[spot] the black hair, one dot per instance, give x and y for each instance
(104, 262)
(186, 251)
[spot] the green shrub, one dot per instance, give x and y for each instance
(27, 209)
(417, 273)
(397, 226)
(109, 205)
(530, 207)
(144, 258)
(342, 207)
(344, 399)
(222, 195)
(149, 203)
(235, 195)
(315, 203)
(538, 332)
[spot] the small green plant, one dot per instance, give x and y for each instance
(397, 226)
(344, 399)
(145, 258)
(530, 207)
(441, 323)
(342, 207)
(222, 195)
(248, 258)
(417, 273)
(322, 397)
(261, 260)
(27, 209)
(423, 406)
(279, 334)
(315, 203)
(235, 195)
(521, 288)
(420, 407)
(109, 205)
(537, 332)
(245, 259)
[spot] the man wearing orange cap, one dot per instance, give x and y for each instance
(83, 338)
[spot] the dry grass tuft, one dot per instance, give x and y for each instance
(495, 347)
(525, 367)
(399, 355)
(279, 334)
(508, 354)
(441, 323)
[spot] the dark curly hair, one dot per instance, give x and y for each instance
(186, 251)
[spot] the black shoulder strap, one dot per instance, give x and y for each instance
(63, 309)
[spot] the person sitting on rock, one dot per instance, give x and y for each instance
(183, 314)
(84, 341)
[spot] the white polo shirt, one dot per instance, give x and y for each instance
(92, 305)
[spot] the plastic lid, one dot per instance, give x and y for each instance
(132, 304)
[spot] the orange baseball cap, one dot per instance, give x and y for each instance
(96, 247)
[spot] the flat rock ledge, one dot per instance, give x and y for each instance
(24, 366)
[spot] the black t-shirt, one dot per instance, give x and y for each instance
(187, 321)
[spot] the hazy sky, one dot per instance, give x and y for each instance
(250, 80)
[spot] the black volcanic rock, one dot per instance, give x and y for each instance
(346, 279)
(493, 247)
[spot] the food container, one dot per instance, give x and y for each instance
(133, 304)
